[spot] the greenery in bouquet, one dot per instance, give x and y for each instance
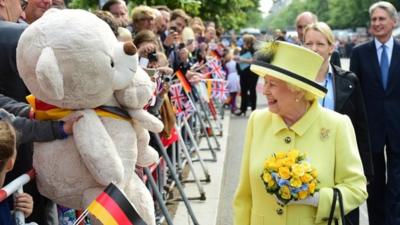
(289, 176)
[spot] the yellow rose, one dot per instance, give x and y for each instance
(267, 177)
(314, 173)
(297, 170)
(285, 192)
(295, 182)
(280, 155)
(302, 194)
(284, 173)
(294, 153)
(306, 178)
(307, 166)
(279, 162)
(271, 183)
(311, 187)
(268, 162)
(288, 162)
(273, 166)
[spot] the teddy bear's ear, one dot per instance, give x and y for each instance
(48, 74)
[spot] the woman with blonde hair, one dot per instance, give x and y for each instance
(344, 94)
(143, 18)
(196, 23)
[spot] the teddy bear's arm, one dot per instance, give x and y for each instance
(146, 154)
(146, 120)
(97, 149)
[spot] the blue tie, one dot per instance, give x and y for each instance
(384, 67)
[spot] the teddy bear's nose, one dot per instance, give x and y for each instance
(130, 48)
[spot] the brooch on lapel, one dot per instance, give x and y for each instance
(324, 134)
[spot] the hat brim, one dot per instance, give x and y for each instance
(265, 69)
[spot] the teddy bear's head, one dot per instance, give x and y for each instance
(71, 59)
(138, 93)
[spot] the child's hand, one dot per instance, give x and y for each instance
(24, 203)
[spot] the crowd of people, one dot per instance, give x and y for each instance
(167, 41)
(360, 160)
(305, 89)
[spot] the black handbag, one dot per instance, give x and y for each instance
(337, 196)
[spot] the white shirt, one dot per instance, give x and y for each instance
(389, 49)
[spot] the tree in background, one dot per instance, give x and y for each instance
(337, 13)
(230, 14)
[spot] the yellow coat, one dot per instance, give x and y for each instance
(328, 139)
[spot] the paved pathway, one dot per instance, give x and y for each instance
(217, 209)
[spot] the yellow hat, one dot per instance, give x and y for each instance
(291, 63)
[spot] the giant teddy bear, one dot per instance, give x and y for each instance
(73, 64)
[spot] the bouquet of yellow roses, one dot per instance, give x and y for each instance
(288, 176)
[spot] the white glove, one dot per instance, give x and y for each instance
(310, 200)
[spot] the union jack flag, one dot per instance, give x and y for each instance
(206, 74)
(159, 85)
(219, 89)
(189, 108)
(215, 68)
(178, 98)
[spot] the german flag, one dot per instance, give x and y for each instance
(185, 84)
(112, 207)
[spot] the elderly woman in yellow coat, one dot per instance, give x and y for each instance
(295, 120)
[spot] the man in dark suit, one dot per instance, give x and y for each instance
(304, 19)
(376, 65)
(11, 84)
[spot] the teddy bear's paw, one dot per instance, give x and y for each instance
(146, 120)
(148, 157)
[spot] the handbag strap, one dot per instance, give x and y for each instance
(341, 206)
(337, 196)
(333, 206)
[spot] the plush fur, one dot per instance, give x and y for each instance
(72, 60)
(133, 99)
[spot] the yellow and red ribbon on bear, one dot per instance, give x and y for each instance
(43, 111)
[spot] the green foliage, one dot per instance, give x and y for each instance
(286, 17)
(83, 4)
(337, 13)
(343, 14)
(231, 14)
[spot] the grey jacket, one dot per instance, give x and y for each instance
(29, 130)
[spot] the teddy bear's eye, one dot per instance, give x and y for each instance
(112, 63)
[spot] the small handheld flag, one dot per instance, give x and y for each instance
(185, 84)
(112, 207)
